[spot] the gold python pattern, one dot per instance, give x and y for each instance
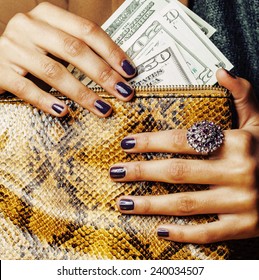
(56, 198)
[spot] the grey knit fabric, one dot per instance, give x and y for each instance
(237, 24)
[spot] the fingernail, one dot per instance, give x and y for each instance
(231, 74)
(58, 108)
(128, 143)
(123, 89)
(102, 106)
(126, 204)
(162, 232)
(128, 68)
(117, 172)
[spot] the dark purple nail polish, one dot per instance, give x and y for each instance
(128, 143)
(117, 172)
(123, 89)
(102, 106)
(126, 204)
(58, 108)
(128, 68)
(231, 74)
(161, 232)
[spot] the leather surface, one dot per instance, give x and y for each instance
(56, 198)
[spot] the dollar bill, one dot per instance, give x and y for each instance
(201, 55)
(164, 68)
(131, 16)
(149, 30)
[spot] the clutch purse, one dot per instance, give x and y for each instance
(56, 198)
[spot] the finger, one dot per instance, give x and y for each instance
(80, 55)
(28, 91)
(88, 32)
(175, 141)
(176, 171)
(198, 234)
(214, 201)
(228, 227)
(56, 75)
(245, 100)
(169, 141)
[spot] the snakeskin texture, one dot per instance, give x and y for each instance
(56, 198)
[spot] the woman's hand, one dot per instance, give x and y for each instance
(47, 29)
(231, 171)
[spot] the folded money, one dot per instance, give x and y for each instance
(169, 44)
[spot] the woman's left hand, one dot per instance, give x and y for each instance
(231, 172)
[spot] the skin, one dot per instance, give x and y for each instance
(29, 37)
(231, 172)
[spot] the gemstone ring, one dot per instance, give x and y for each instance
(205, 137)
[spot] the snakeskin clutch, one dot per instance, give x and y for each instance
(56, 198)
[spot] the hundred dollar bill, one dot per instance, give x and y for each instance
(166, 67)
(161, 42)
(199, 52)
(137, 24)
(192, 38)
(123, 24)
(129, 17)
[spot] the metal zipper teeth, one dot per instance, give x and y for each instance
(157, 89)
(164, 88)
(142, 89)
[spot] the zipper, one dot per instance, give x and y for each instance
(153, 91)
(169, 88)
(165, 90)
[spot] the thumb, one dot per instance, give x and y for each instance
(245, 101)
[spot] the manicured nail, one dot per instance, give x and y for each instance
(128, 143)
(102, 106)
(231, 74)
(128, 68)
(162, 232)
(126, 204)
(123, 89)
(117, 172)
(58, 108)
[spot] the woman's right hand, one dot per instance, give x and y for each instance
(47, 29)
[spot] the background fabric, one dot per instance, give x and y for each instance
(237, 24)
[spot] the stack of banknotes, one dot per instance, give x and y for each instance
(168, 43)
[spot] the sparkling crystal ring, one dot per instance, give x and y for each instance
(205, 137)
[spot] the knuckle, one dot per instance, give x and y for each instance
(114, 52)
(18, 20)
(82, 97)
(88, 27)
(52, 70)
(144, 142)
(73, 47)
(39, 100)
(41, 7)
(20, 87)
(246, 142)
(178, 139)
(248, 172)
(247, 85)
(5, 42)
(138, 172)
(205, 237)
(147, 206)
(180, 235)
(105, 75)
(178, 170)
(185, 204)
